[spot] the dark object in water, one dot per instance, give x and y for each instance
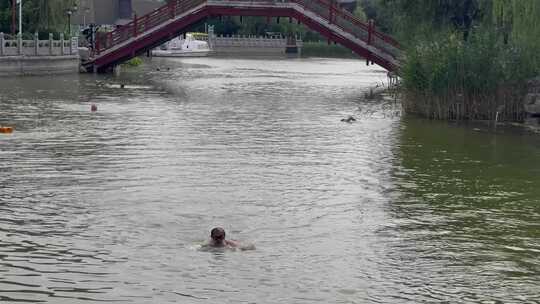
(122, 86)
(6, 130)
(93, 108)
(349, 119)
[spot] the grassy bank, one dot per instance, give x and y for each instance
(133, 62)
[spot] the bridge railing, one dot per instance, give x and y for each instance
(139, 25)
(351, 24)
(325, 9)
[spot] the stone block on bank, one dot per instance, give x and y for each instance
(532, 103)
(534, 84)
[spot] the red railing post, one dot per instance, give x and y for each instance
(97, 43)
(109, 40)
(370, 31)
(172, 9)
(330, 11)
(135, 26)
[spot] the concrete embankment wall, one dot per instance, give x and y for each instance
(38, 65)
(249, 46)
(38, 57)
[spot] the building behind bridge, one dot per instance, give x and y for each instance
(112, 12)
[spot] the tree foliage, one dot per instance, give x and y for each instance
(38, 15)
(465, 59)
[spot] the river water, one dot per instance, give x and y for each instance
(112, 205)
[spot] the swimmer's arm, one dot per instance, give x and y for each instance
(232, 243)
(236, 244)
(247, 247)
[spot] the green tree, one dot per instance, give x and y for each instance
(38, 15)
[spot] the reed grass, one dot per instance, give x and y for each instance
(134, 62)
(452, 78)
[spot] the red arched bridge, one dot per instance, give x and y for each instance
(324, 16)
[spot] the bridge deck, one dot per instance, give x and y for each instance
(163, 24)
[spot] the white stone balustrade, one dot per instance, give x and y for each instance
(36, 47)
(251, 41)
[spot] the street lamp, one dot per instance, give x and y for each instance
(86, 11)
(19, 2)
(70, 12)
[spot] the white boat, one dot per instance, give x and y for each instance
(188, 47)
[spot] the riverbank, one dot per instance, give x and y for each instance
(38, 65)
(323, 49)
(38, 57)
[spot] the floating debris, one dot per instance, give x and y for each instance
(349, 119)
(6, 130)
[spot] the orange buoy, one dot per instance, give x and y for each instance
(6, 130)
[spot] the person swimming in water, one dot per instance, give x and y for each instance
(217, 240)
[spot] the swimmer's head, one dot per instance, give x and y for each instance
(218, 234)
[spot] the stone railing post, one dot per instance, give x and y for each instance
(74, 45)
(36, 44)
(19, 44)
(62, 44)
(51, 45)
(2, 44)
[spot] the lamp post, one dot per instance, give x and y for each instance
(86, 11)
(70, 12)
(19, 2)
(13, 17)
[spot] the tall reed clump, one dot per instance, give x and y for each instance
(480, 78)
